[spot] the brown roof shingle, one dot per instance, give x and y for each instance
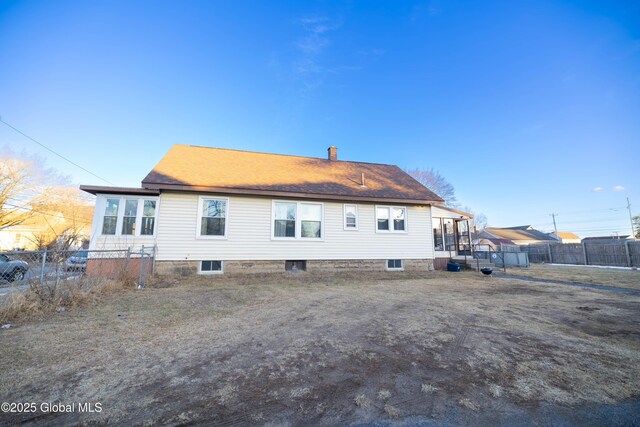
(187, 167)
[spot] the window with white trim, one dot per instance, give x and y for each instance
(394, 264)
(212, 217)
(350, 217)
(110, 219)
(391, 219)
(129, 216)
(148, 218)
(285, 219)
(210, 267)
(297, 220)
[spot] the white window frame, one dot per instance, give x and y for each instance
(206, 272)
(390, 210)
(298, 228)
(199, 223)
(120, 215)
(401, 268)
(344, 214)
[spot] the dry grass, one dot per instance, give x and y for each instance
(37, 301)
(297, 349)
(621, 278)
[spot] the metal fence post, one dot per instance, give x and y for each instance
(153, 263)
(140, 275)
(44, 264)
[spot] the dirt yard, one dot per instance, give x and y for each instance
(448, 348)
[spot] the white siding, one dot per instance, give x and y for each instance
(249, 233)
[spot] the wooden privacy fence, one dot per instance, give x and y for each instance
(615, 253)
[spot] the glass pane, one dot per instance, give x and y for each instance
(284, 228)
(398, 219)
(111, 208)
(311, 212)
(383, 218)
(351, 221)
(212, 226)
(286, 211)
(130, 208)
(437, 234)
(214, 208)
(128, 225)
(149, 208)
(390, 263)
(350, 210)
(311, 229)
(216, 265)
(147, 226)
(383, 224)
(449, 235)
(206, 266)
(383, 213)
(109, 225)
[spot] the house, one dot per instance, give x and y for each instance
(520, 235)
(606, 239)
(212, 210)
(57, 227)
(566, 237)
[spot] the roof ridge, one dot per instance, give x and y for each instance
(286, 155)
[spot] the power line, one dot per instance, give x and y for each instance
(57, 154)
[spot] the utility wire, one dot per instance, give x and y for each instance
(57, 154)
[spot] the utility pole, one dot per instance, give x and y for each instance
(633, 235)
(553, 215)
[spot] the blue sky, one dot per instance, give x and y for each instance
(525, 107)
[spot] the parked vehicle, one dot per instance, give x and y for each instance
(12, 269)
(77, 261)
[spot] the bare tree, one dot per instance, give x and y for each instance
(479, 220)
(636, 226)
(437, 183)
(17, 202)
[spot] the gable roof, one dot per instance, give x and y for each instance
(193, 168)
(518, 233)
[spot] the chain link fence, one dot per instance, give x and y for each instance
(38, 269)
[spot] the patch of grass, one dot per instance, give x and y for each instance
(384, 394)
(362, 401)
(629, 279)
(392, 411)
(428, 388)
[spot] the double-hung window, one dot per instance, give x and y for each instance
(212, 221)
(350, 217)
(297, 220)
(110, 220)
(129, 216)
(392, 219)
(285, 219)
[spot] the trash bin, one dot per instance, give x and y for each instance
(453, 266)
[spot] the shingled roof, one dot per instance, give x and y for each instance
(193, 168)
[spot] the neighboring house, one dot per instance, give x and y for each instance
(491, 244)
(212, 210)
(49, 228)
(566, 237)
(521, 235)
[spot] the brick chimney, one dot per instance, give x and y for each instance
(333, 153)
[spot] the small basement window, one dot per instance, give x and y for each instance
(210, 267)
(295, 266)
(394, 264)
